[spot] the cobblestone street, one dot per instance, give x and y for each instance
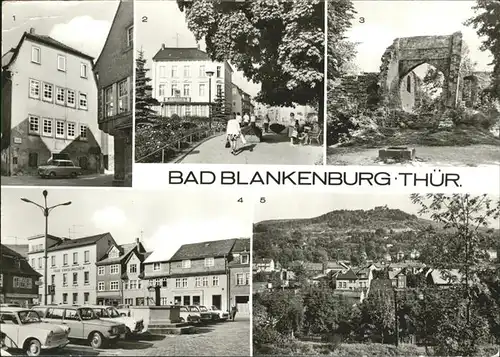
(85, 180)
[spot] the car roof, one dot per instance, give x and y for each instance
(13, 309)
(97, 306)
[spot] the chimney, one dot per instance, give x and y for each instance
(162, 46)
(137, 241)
(32, 30)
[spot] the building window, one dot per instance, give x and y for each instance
(209, 262)
(133, 268)
(174, 90)
(186, 89)
(71, 98)
(240, 279)
(197, 282)
(65, 298)
(202, 90)
(114, 269)
(86, 278)
(178, 283)
(60, 135)
(163, 301)
(156, 266)
(247, 278)
(65, 279)
(86, 256)
(65, 259)
(139, 284)
(184, 282)
(133, 284)
(203, 111)
(219, 90)
(113, 285)
(83, 70)
(61, 63)
(408, 84)
(83, 132)
(52, 280)
(161, 90)
(162, 71)
(33, 262)
(53, 260)
(100, 270)
(83, 101)
(202, 71)
(47, 127)
(163, 283)
(130, 36)
(75, 258)
(34, 125)
(123, 96)
(187, 71)
(174, 71)
(218, 71)
(205, 281)
(108, 102)
(244, 259)
(186, 264)
(48, 92)
(86, 298)
(129, 301)
(125, 285)
(34, 89)
(35, 54)
(100, 285)
(60, 95)
(75, 278)
(156, 282)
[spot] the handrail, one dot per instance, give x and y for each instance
(176, 141)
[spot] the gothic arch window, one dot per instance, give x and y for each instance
(408, 84)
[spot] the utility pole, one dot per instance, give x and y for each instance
(396, 320)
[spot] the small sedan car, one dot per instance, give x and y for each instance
(189, 316)
(24, 330)
(85, 324)
(110, 313)
(59, 168)
(205, 315)
(219, 314)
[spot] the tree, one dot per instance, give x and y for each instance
(277, 43)
(487, 23)
(143, 99)
(377, 313)
(219, 112)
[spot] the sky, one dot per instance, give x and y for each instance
(385, 21)
(83, 25)
(166, 24)
(314, 204)
(167, 218)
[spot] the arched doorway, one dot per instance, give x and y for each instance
(421, 89)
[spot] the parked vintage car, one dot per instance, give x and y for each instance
(189, 316)
(84, 324)
(204, 315)
(124, 310)
(23, 329)
(59, 168)
(10, 305)
(110, 313)
(219, 314)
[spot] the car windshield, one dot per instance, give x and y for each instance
(214, 308)
(193, 309)
(28, 317)
(112, 312)
(87, 314)
(184, 308)
(203, 308)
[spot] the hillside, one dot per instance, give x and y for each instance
(341, 234)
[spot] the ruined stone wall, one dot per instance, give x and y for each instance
(359, 91)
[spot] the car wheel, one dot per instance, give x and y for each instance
(52, 174)
(34, 348)
(96, 340)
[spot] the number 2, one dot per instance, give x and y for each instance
(144, 19)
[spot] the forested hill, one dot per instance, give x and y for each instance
(341, 234)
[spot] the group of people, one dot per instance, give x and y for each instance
(233, 129)
(297, 131)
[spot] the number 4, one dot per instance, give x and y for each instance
(240, 200)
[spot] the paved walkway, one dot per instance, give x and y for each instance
(274, 150)
(85, 180)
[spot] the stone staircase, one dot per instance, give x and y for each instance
(171, 328)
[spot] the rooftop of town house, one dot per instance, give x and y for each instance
(406, 264)
(79, 242)
(11, 55)
(313, 266)
(180, 54)
(124, 249)
(50, 236)
(22, 249)
(13, 262)
(215, 249)
(348, 275)
(336, 265)
(241, 245)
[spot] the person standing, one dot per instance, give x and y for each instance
(239, 119)
(266, 123)
(292, 129)
(234, 310)
(246, 119)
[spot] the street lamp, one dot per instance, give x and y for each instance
(46, 210)
(210, 74)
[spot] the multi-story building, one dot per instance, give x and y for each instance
(181, 83)
(264, 265)
(18, 280)
(197, 274)
(114, 72)
(71, 266)
(240, 277)
(241, 101)
(119, 275)
(246, 103)
(49, 106)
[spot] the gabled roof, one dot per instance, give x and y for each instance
(336, 266)
(13, 262)
(441, 277)
(241, 245)
(348, 275)
(125, 250)
(80, 242)
(181, 54)
(216, 248)
(21, 249)
(112, 24)
(48, 236)
(11, 55)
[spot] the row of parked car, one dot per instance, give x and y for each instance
(199, 314)
(53, 326)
